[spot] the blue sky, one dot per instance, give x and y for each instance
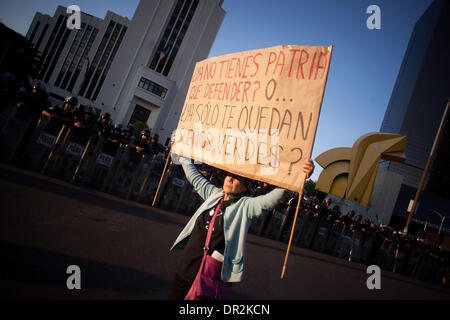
(364, 64)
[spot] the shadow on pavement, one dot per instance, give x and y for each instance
(351, 266)
(33, 180)
(34, 267)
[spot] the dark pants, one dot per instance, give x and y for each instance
(179, 289)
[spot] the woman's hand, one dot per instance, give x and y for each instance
(308, 167)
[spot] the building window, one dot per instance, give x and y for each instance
(68, 59)
(97, 57)
(108, 64)
(104, 56)
(83, 59)
(38, 43)
(46, 55)
(153, 87)
(57, 53)
(34, 31)
(103, 60)
(173, 36)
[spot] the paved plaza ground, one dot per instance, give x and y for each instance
(122, 249)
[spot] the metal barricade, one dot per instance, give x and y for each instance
(446, 275)
(286, 225)
(176, 191)
(13, 127)
(116, 149)
(415, 260)
(274, 225)
(45, 138)
(356, 247)
(320, 239)
(95, 163)
(139, 172)
(401, 257)
(142, 185)
(123, 172)
(368, 247)
(4, 111)
(345, 243)
(386, 255)
(260, 224)
(334, 236)
(299, 228)
(445, 251)
(65, 158)
(309, 230)
(257, 224)
(149, 178)
(162, 196)
(431, 269)
(194, 203)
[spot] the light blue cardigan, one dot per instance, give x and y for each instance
(237, 219)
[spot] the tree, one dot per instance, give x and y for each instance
(18, 56)
(309, 188)
(138, 127)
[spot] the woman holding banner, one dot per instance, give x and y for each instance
(213, 259)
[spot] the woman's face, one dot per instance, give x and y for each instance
(232, 185)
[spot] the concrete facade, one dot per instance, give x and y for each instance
(137, 69)
(66, 54)
(121, 92)
(415, 109)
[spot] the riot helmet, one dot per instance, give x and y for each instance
(145, 133)
(71, 101)
(39, 88)
(129, 129)
(105, 118)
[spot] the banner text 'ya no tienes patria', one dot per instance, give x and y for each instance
(255, 113)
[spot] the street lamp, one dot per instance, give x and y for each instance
(442, 219)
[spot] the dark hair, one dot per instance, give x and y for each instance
(244, 180)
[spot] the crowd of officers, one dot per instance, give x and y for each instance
(321, 226)
(375, 244)
(84, 118)
(388, 248)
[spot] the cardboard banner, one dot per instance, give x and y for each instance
(255, 113)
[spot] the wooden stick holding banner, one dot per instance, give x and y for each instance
(292, 233)
(300, 194)
(162, 176)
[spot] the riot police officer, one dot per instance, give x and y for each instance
(32, 107)
(66, 112)
(104, 126)
(127, 134)
(153, 147)
(116, 134)
(35, 103)
(83, 117)
(142, 144)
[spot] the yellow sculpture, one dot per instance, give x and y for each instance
(350, 172)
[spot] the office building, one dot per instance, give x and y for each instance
(137, 69)
(415, 109)
(72, 58)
